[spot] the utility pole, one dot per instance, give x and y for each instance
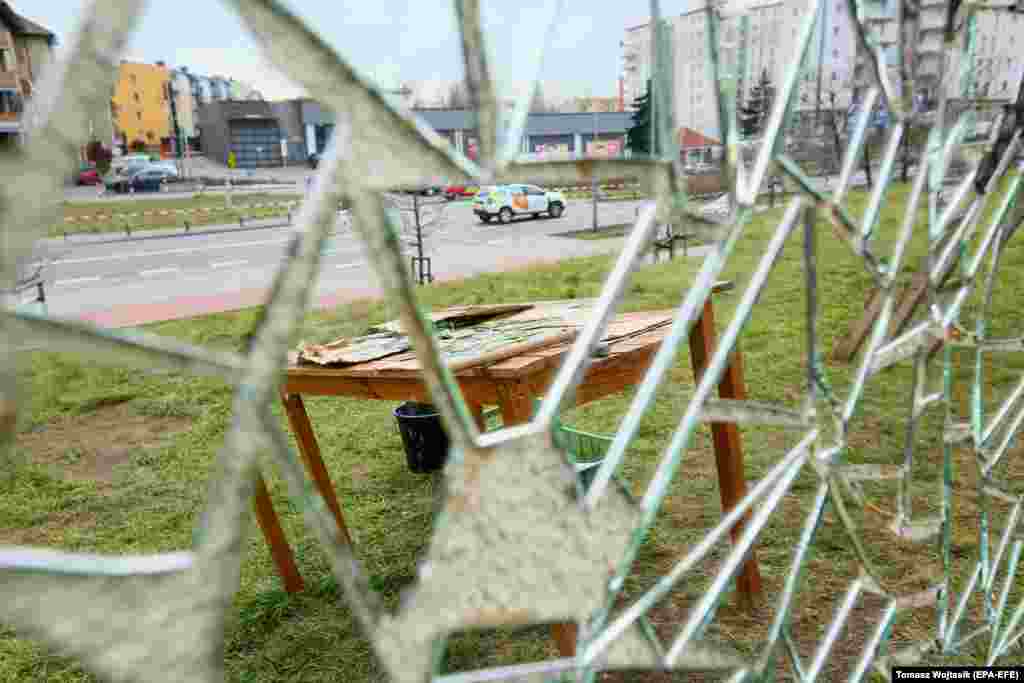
(593, 177)
(171, 92)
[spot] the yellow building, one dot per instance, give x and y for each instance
(140, 106)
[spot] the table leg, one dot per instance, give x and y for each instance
(516, 405)
(280, 551)
(310, 450)
(478, 415)
(726, 437)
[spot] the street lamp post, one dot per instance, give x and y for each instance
(593, 175)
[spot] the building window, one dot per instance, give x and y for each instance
(10, 102)
(133, 79)
(136, 97)
(1005, 85)
(138, 115)
(6, 59)
(835, 30)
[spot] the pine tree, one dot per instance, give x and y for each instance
(753, 114)
(638, 137)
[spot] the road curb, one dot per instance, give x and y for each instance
(140, 236)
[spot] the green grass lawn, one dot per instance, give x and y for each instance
(113, 216)
(116, 462)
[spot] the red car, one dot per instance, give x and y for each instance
(89, 176)
(456, 191)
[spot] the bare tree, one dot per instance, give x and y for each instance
(420, 218)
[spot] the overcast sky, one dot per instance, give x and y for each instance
(389, 40)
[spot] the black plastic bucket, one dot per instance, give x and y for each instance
(425, 441)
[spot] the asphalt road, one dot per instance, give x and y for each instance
(88, 278)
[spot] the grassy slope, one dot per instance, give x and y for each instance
(156, 495)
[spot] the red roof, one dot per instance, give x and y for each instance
(688, 137)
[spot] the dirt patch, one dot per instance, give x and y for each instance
(91, 447)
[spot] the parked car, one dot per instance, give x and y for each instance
(458, 191)
(119, 180)
(506, 201)
(88, 175)
(151, 179)
(170, 165)
(128, 159)
(698, 167)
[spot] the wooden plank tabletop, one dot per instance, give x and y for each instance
(626, 335)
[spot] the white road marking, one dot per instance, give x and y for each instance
(228, 264)
(348, 265)
(76, 280)
(157, 271)
(191, 250)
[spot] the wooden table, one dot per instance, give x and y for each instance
(511, 384)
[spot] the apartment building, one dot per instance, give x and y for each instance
(996, 67)
(770, 28)
(25, 50)
(140, 105)
(982, 81)
(835, 64)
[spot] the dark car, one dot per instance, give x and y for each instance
(150, 179)
(120, 181)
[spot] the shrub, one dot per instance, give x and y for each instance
(138, 145)
(99, 155)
